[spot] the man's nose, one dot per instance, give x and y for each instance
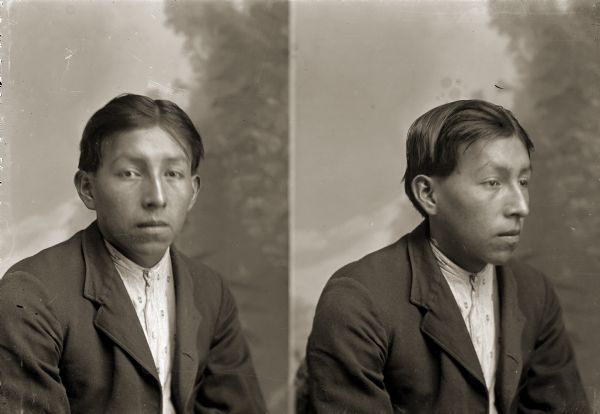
(518, 204)
(154, 194)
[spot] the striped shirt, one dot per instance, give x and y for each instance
(153, 296)
(477, 299)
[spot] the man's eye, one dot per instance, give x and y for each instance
(128, 174)
(524, 182)
(492, 183)
(174, 174)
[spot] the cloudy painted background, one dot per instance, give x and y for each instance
(363, 71)
(226, 64)
(382, 66)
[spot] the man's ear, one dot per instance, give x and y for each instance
(423, 188)
(196, 189)
(84, 185)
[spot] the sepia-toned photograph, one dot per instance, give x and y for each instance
(131, 127)
(301, 206)
(383, 95)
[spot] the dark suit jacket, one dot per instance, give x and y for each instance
(388, 337)
(70, 340)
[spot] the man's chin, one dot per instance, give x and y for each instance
(149, 245)
(148, 237)
(153, 246)
(148, 254)
(501, 258)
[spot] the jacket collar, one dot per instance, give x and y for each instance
(115, 316)
(117, 319)
(444, 324)
(512, 321)
(188, 322)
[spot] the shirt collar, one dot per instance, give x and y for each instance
(454, 270)
(130, 266)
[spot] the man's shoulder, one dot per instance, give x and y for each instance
(205, 286)
(205, 280)
(388, 262)
(380, 279)
(534, 290)
(527, 277)
(57, 259)
(52, 278)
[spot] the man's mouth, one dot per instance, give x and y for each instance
(152, 224)
(510, 236)
(510, 233)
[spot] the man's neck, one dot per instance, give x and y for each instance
(133, 265)
(468, 269)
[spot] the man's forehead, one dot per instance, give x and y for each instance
(523, 167)
(145, 142)
(500, 152)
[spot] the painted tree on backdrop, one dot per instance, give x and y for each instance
(556, 47)
(239, 101)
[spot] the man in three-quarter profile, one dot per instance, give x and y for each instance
(443, 320)
(115, 319)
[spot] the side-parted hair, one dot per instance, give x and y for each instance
(129, 112)
(434, 138)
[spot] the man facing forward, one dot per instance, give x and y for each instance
(115, 320)
(442, 321)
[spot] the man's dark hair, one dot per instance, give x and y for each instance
(128, 112)
(434, 138)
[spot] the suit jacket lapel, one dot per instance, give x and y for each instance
(188, 320)
(116, 316)
(442, 322)
(512, 321)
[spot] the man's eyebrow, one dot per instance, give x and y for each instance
(139, 159)
(528, 169)
(179, 158)
(524, 170)
(127, 157)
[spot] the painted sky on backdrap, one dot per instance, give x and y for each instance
(78, 58)
(68, 59)
(363, 72)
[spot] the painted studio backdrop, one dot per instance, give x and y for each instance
(226, 64)
(364, 71)
(361, 72)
